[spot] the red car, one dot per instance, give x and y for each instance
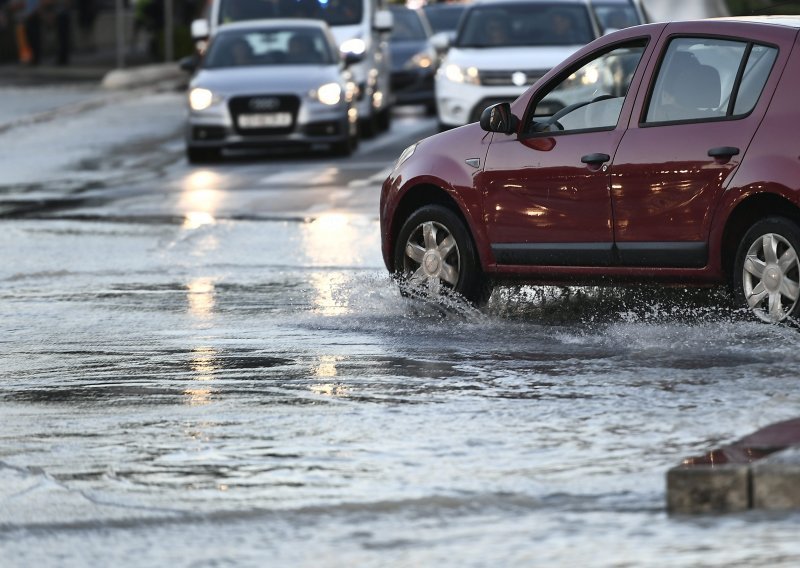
(661, 153)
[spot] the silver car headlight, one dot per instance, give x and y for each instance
(458, 74)
(201, 99)
(328, 94)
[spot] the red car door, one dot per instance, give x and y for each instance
(546, 192)
(689, 131)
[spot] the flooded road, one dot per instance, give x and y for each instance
(214, 369)
(187, 394)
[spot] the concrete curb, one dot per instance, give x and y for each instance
(760, 471)
(142, 76)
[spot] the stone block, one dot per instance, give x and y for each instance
(776, 481)
(708, 489)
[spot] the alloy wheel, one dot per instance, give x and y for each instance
(771, 277)
(432, 257)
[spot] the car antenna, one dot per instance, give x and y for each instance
(763, 11)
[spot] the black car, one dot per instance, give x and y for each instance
(414, 61)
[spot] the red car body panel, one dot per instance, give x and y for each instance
(660, 188)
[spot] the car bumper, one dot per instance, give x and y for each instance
(216, 128)
(413, 87)
(458, 104)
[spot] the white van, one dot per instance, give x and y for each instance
(359, 26)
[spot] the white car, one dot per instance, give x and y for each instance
(504, 46)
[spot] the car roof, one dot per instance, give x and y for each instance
(274, 23)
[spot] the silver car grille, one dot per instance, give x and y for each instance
(505, 78)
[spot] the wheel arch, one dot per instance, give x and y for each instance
(423, 194)
(746, 213)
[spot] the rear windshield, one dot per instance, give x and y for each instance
(444, 18)
(615, 16)
(540, 23)
(248, 48)
(407, 26)
(335, 12)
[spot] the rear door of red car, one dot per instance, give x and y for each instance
(705, 97)
(546, 191)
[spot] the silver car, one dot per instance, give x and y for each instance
(271, 83)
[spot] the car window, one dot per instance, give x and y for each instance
(759, 65)
(407, 26)
(615, 16)
(334, 12)
(301, 46)
(697, 77)
(443, 17)
(525, 24)
(590, 97)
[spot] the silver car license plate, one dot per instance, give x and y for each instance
(265, 120)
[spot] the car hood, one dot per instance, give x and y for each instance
(266, 78)
(402, 51)
(502, 58)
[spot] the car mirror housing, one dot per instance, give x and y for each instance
(349, 58)
(384, 21)
(498, 118)
(440, 42)
(188, 63)
(200, 29)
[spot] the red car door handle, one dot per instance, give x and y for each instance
(595, 158)
(723, 152)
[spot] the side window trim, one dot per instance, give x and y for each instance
(738, 81)
(642, 41)
(643, 123)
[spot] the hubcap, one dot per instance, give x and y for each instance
(771, 278)
(431, 257)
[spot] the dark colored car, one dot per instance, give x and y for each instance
(414, 61)
(684, 170)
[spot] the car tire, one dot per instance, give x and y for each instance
(435, 255)
(766, 271)
(368, 127)
(345, 147)
(202, 155)
(385, 120)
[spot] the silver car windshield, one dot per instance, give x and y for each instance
(334, 12)
(525, 24)
(299, 46)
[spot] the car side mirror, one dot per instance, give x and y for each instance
(440, 41)
(188, 63)
(498, 118)
(349, 58)
(383, 21)
(200, 29)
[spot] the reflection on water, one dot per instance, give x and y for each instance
(200, 199)
(333, 239)
(204, 365)
(325, 370)
(200, 294)
(328, 301)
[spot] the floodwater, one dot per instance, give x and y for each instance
(251, 393)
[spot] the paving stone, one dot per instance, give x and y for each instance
(708, 489)
(776, 481)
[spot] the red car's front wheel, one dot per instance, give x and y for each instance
(434, 254)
